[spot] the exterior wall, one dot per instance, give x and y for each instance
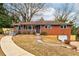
(50, 38)
(57, 30)
(55, 38)
(73, 37)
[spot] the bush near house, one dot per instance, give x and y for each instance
(77, 37)
(26, 32)
(43, 33)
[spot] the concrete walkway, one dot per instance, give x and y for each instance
(11, 49)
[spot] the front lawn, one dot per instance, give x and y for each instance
(28, 43)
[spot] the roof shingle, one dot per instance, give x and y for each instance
(40, 23)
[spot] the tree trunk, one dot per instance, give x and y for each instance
(24, 19)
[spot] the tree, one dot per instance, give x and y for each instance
(26, 10)
(3, 12)
(41, 19)
(5, 19)
(74, 30)
(5, 22)
(65, 14)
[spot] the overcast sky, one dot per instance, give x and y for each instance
(48, 15)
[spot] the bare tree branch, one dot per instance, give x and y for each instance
(26, 10)
(63, 14)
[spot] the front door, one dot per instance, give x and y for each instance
(37, 27)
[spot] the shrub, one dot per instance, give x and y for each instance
(33, 33)
(23, 33)
(18, 32)
(43, 33)
(1, 31)
(28, 32)
(77, 37)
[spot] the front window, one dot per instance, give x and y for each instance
(63, 26)
(48, 26)
(29, 27)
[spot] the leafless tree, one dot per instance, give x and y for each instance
(26, 10)
(65, 13)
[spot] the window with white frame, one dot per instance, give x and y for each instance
(48, 26)
(29, 27)
(63, 26)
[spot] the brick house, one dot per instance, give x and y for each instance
(50, 27)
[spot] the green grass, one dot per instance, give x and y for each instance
(28, 43)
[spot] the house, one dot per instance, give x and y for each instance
(50, 27)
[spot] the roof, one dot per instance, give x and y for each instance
(40, 23)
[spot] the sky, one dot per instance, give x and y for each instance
(49, 14)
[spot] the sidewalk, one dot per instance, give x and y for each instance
(11, 49)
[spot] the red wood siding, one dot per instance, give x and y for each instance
(57, 30)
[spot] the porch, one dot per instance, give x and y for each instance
(28, 28)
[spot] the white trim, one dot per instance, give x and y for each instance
(63, 26)
(47, 26)
(28, 27)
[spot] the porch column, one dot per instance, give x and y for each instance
(32, 28)
(22, 27)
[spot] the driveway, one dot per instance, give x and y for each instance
(11, 49)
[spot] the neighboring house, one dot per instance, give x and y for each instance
(50, 27)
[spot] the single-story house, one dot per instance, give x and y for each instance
(50, 27)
